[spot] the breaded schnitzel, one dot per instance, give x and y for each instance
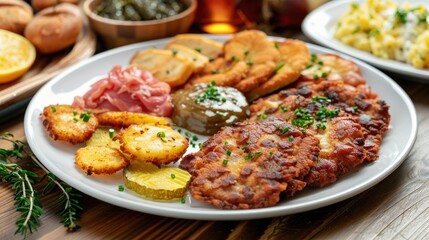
(251, 164)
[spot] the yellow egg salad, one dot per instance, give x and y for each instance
(388, 30)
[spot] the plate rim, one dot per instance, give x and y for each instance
(392, 66)
(225, 214)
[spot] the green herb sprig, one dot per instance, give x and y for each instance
(26, 198)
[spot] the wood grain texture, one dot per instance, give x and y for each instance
(396, 208)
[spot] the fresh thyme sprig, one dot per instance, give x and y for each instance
(26, 197)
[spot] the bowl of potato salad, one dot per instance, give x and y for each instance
(390, 34)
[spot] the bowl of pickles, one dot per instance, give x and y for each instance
(122, 22)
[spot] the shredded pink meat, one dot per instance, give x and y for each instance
(130, 89)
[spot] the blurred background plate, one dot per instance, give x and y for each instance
(44, 68)
(320, 24)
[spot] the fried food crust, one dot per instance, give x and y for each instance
(100, 160)
(351, 137)
(125, 119)
(295, 57)
(251, 164)
(67, 123)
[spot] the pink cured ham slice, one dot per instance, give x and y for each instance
(130, 89)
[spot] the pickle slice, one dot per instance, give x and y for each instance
(159, 183)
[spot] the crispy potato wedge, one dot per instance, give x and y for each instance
(67, 123)
(165, 65)
(125, 119)
(210, 48)
(160, 183)
(198, 60)
(158, 144)
(100, 160)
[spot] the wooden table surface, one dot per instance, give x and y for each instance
(396, 208)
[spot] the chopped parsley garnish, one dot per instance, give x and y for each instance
(225, 162)
(111, 132)
(54, 109)
(182, 200)
(174, 51)
(323, 114)
(276, 45)
(321, 126)
(401, 15)
(198, 49)
(246, 53)
(161, 135)
(278, 68)
(321, 99)
(195, 138)
(228, 152)
(249, 62)
(173, 176)
(283, 108)
(285, 130)
(264, 116)
(211, 94)
(85, 116)
(121, 188)
(74, 113)
(290, 138)
(354, 5)
(303, 118)
(226, 142)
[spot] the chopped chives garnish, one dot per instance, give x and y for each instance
(161, 135)
(228, 152)
(111, 132)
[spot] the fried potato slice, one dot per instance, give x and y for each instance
(157, 144)
(104, 137)
(165, 65)
(160, 183)
(198, 60)
(295, 57)
(224, 73)
(67, 123)
(125, 119)
(210, 48)
(100, 160)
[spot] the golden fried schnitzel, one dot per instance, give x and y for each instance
(251, 164)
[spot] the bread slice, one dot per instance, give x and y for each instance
(199, 60)
(210, 48)
(165, 65)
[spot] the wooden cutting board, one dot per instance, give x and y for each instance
(47, 66)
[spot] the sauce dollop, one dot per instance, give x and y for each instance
(205, 108)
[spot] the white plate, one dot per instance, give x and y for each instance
(59, 157)
(320, 24)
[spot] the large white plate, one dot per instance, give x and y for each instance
(320, 24)
(59, 157)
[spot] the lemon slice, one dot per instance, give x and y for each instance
(17, 55)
